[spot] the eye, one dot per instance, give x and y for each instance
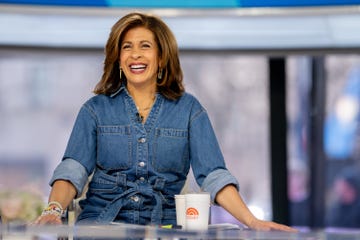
(146, 45)
(126, 46)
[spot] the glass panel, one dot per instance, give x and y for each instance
(40, 94)
(298, 87)
(342, 141)
(234, 90)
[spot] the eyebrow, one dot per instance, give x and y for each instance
(142, 41)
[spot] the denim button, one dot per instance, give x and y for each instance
(141, 164)
(142, 179)
(142, 140)
(135, 198)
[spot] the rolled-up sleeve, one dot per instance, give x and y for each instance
(72, 171)
(207, 160)
(216, 181)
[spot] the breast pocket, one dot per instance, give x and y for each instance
(171, 150)
(114, 147)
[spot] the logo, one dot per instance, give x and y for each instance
(192, 213)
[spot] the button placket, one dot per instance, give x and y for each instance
(142, 155)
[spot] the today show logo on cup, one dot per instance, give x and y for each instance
(192, 213)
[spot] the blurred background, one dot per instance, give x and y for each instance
(280, 80)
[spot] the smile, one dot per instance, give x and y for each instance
(138, 67)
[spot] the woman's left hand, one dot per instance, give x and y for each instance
(262, 225)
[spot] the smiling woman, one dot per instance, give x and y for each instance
(152, 35)
(140, 163)
(139, 56)
(140, 63)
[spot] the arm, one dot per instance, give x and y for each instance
(78, 162)
(62, 192)
(210, 172)
(229, 198)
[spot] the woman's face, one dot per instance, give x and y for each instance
(139, 57)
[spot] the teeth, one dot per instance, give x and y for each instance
(138, 66)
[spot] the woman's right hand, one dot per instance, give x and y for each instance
(51, 219)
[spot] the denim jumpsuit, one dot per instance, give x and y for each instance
(139, 167)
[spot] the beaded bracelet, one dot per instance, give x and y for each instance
(53, 208)
(56, 204)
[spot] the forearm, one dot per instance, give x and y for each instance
(62, 192)
(230, 200)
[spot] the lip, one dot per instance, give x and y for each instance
(137, 64)
(137, 67)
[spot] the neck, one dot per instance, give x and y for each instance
(143, 96)
(142, 91)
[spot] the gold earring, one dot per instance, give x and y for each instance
(120, 73)
(160, 73)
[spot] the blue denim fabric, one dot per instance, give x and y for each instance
(138, 168)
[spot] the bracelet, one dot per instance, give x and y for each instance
(53, 208)
(55, 203)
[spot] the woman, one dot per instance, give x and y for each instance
(139, 136)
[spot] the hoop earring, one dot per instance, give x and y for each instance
(160, 73)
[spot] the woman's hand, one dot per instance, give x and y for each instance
(52, 219)
(262, 225)
(62, 193)
(230, 199)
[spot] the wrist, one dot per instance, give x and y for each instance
(53, 208)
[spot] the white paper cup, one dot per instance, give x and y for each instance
(180, 210)
(197, 211)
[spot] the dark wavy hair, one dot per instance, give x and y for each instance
(171, 84)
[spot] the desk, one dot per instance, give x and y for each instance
(126, 231)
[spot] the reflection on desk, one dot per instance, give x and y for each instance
(129, 231)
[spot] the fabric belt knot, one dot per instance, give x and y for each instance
(153, 191)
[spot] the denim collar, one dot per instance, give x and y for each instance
(122, 87)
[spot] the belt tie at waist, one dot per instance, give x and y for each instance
(112, 209)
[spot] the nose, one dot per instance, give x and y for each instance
(136, 53)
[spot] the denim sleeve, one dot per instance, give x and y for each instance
(217, 180)
(82, 142)
(207, 160)
(71, 170)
